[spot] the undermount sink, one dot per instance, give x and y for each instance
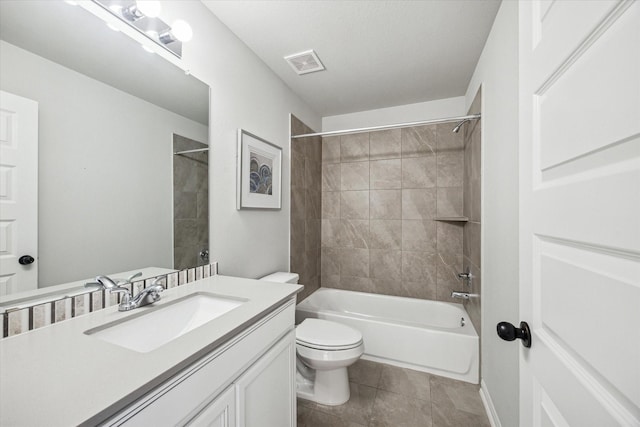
(151, 330)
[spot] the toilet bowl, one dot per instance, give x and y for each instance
(324, 350)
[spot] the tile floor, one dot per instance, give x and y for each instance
(384, 395)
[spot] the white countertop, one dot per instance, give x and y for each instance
(57, 375)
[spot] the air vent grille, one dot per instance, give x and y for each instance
(305, 62)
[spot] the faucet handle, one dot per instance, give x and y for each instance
(93, 285)
(129, 279)
(158, 282)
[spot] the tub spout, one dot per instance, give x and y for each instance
(463, 295)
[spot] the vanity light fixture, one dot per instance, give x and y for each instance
(143, 16)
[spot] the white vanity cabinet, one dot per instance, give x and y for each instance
(248, 381)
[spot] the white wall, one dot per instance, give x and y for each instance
(246, 94)
(497, 74)
(441, 108)
(105, 186)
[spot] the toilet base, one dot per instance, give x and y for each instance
(330, 387)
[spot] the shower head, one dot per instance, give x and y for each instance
(459, 125)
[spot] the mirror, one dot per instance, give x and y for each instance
(110, 117)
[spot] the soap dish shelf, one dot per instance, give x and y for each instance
(452, 218)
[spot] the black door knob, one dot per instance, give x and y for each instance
(508, 332)
(26, 260)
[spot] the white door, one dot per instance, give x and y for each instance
(580, 212)
(18, 193)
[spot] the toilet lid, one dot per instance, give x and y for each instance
(327, 334)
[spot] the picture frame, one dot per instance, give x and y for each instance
(259, 173)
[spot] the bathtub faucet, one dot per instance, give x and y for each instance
(463, 295)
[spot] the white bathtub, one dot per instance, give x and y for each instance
(430, 336)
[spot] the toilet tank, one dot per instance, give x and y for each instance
(281, 277)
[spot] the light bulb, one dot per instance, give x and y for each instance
(149, 8)
(182, 30)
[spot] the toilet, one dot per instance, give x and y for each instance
(324, 350)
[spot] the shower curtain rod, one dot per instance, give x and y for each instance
(394, 126)
(197, 150)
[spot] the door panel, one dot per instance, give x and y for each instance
(580, 212)
(18, 192)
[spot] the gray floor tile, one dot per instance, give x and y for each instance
(449, 417)
(365, 372)
(313, 418)
(384, 395)
(396, 410)
(449, 394)
(406, 382)
(357, 409)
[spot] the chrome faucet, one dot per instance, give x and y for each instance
(147, 296)
(462, 295)
(467, 277)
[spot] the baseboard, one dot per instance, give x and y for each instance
(488, 405)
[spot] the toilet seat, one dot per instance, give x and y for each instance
(326, 335)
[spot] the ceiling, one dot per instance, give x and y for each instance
(377, 53)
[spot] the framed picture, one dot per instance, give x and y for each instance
(259, 178)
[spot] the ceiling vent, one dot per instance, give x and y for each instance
(305, 62)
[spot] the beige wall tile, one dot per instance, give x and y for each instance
(312, 234)
(418, 141)
(312, 175)
(419, 172)
(331, 149)
(450, 168)
(330, 205)
(385, 144)
(384, 264)
(419, 235)
(331, 177)
(354, 262)
(354, 205)
(449, 265)
(298, 203)
(329, 234)
(449, 237)
(354, 176)
(297, 235)
(354, 147)
(449, 201)
(418, 203)
(358, 284)
(313, 204)
(385, 174)
(386, 204)
(385, 234)
(420, 267)
(447, 140)
(472, 245)
(330, 261)
(354, 233)
(330, 280)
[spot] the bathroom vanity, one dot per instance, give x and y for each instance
(142, 368)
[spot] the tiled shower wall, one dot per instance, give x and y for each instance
(381, 194)
(472, 193)
(190, 203)
(306, 162)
